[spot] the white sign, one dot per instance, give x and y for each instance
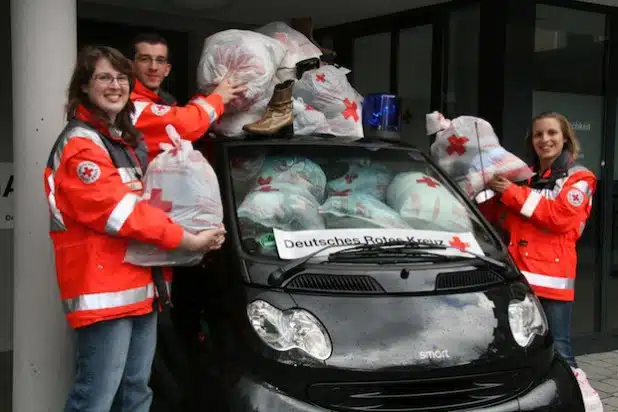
(6, 195)
(294, 245)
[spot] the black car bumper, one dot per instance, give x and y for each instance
(557, 391)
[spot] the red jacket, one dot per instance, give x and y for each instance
(93, 187)
(191, 121)
(544, 220)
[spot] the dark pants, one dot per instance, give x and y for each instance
(559, 318)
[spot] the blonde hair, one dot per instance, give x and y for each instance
(571, 142)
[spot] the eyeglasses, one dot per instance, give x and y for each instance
(142, 58)
(108, 78)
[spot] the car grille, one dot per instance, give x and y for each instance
(470, 279)
(436, 395)
(335, 284)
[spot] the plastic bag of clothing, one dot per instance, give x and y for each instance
(248, 57)
(308, 120)
(425, 203)
(230, 124)
(328, 90)
(298, 171)
(361, 177)
(244, 172)
(359, 210)
(298, 47)
(284, 206)
(466, 147)
(183, 184)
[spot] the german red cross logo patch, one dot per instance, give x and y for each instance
(88, 172)
(159, 109)
(575, 197)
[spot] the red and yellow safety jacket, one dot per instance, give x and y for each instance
(93, 187)
(544, 220)
(191, 121)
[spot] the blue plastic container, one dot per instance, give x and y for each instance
(381, 115)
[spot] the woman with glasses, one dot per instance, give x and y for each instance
(93, 186)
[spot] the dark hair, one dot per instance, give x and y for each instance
(86, 63)
(149, 38)
(571, 142)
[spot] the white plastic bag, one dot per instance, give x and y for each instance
(466, 147)
(181, 182)
(308, 120)
(328, 90)
(425, 204)
(592, 400)
(359, 210)
(360, 178)
(295, 170)
(298, 46)
(249, 57)
(278, 205)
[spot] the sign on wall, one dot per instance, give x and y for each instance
(6, 195)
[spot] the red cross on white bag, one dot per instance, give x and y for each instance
(428, 181)
(350, 110)
(156, 200)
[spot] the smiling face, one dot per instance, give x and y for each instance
(547, 139)
(108, 89)
(151, 64)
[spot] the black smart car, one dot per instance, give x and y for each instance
(357, 277)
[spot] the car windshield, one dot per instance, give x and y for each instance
(294, 199)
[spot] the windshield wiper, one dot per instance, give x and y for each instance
(281, 274)
(405, 250)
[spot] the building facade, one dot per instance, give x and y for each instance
(502, 60)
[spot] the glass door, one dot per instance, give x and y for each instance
(569, 64)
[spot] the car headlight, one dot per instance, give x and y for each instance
(289, 329)
(527, 319)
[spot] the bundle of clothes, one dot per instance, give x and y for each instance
(292, 85)
(294, 193)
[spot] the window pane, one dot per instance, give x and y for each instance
(372, 63)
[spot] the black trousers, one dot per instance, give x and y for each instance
(175, 378)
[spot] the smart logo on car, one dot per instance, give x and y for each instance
(434, 354)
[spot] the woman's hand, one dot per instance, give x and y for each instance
(204, 241)
(499, 184)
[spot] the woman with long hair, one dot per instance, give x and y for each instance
(93, 186)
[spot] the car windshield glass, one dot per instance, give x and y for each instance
(294, 199)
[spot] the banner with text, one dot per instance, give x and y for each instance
(6, 196)
(294, 245)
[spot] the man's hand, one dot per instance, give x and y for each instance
(229, 90)
(499, 184)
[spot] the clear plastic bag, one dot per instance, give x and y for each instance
(298, 46)
(308, 120)
(181, 182)
(468, 149)
(328, 90)
(361, 178)
(298, 171)
(359, 210)
(425, 204)
(278, 205)
(247, 56)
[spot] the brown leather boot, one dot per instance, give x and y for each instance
(279, 116)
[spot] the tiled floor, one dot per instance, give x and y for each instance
(602, 371)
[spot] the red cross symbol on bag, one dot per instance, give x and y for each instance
(457, 145)
(350, 110)
(320, 77)
(156, 200)
(428, 181)
(458, 243)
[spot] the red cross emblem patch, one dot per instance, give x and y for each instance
(575, 197)
(88, 172)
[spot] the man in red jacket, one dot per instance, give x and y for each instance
(174, 373)
(155, 109)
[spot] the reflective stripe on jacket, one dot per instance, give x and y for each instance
(544, 221)
(93, 187)
(191, 121)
